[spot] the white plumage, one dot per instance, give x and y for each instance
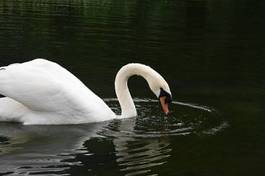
(43, 92)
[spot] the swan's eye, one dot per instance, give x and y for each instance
(163, 93)
(168, 99)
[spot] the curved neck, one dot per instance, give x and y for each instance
(121, 86)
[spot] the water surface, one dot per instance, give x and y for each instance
(211, 52)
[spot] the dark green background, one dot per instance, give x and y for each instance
(211, 52)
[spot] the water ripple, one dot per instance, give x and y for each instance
(141, 143)
(131, 146)
(185, 118)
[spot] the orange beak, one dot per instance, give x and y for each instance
(164, 105)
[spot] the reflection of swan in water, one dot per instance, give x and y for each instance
(33, 149)
(43, 92)
(137, 155)
(126, 146)
(36, 149)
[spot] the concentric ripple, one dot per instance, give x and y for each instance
(142, 143)
(132, 146)
(185, 118)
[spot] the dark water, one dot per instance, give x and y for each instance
(212, 53)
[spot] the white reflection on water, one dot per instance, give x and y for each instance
(135, 155)
(134, 146)
(33, 149)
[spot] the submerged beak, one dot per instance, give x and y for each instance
(164, 105)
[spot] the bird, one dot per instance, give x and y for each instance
(42, 92)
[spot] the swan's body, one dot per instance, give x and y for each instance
(43, 92)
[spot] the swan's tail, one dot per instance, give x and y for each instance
(11, 110)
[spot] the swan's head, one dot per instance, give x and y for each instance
(156, 82)
(160, 88)
(165, 99)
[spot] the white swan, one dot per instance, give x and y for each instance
(43, 92)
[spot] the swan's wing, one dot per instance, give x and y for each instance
(42, 85)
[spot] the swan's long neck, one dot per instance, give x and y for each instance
(121, 86)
